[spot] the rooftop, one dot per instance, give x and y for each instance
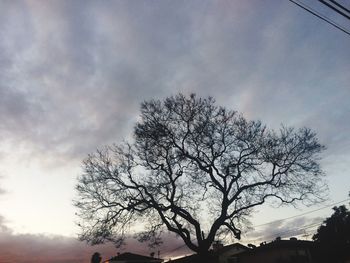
(131, 257)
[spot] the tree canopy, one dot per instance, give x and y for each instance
(336, 228)
(333, 236)
(195, 169)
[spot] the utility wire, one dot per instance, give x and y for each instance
(320, 16)
(292, 230)
(302, 214)
(341, 6)
(177, 248)
(279, 220)
(300, 228)
(267, 237)
(335, 9)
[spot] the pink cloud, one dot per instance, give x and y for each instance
(40, 248)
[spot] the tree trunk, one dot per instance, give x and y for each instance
(206, 257)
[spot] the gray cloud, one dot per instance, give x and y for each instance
(76, 72)
(40, 248)
(46, 249)
(2, 191)
(302, 227)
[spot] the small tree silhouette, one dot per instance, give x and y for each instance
(96, 258)
(334, 236)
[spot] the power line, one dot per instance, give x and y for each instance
(299, 228)
(320, 16)
(292, 230)
(279, 220)
(302, 214)
(296, 229)
(335, 9)
(177, 248)
(339, 5)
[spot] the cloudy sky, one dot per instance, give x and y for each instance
(73, 74)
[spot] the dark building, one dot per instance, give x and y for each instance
(133, 258)
(280, 251)
(219, 254)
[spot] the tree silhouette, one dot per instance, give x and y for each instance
(195, 169)
(96, 258)
(334, 236)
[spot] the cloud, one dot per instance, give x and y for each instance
(74, 73)
(43, 248)
(302, 226)
(2, 190)
(27, 248)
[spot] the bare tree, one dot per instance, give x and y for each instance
(195, 169)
